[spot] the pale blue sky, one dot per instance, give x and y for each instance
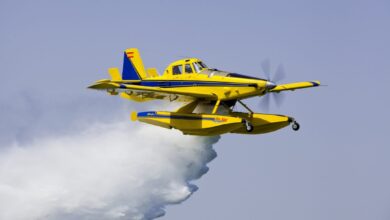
(336, 167)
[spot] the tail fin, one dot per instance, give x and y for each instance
(133, 68)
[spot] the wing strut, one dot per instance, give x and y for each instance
(216, 106)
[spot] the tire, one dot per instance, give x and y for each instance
(248, 126)
(295, 126)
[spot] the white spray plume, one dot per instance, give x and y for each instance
(120, 170)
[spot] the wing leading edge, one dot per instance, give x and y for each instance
(294, 86)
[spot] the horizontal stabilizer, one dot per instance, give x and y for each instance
(115, 74)
(152, 72)
(103, 85)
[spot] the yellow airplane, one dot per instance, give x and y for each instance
(209, 94)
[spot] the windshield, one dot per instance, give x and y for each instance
(199, 66)
(215, 72)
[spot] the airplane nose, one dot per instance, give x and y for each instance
(270, 85)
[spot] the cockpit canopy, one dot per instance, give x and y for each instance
(194, 65)
(215, 72)
(188, 66)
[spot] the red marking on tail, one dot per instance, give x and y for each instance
(130, 54)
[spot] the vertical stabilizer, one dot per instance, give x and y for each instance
(133, 68)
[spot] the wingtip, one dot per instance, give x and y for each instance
(316, 83)
(134, 116)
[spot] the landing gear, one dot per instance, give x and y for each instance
(248, 126)
(295, 126)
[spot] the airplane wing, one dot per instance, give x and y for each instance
(145, 93)
(294, 86)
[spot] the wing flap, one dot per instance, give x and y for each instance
(171, 91)
(150, 92)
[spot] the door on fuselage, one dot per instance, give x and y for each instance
(182, 71)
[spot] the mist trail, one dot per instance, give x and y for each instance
(109, 171)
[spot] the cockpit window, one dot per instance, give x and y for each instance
(202, 65)
(198, 66)
(187, 68)
(176, 70)
(215, 72)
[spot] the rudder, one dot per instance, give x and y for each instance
(133, 68)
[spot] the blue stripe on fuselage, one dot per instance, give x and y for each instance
(184, 83)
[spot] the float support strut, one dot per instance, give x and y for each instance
(245, 106)
(216, 106)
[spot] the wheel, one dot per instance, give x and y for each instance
(295, 126)
(248, 126)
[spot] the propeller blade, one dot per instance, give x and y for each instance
(280, 74)
(265, 102)
(278, 98)
(266, 66)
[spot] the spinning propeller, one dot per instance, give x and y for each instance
(272, 79)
